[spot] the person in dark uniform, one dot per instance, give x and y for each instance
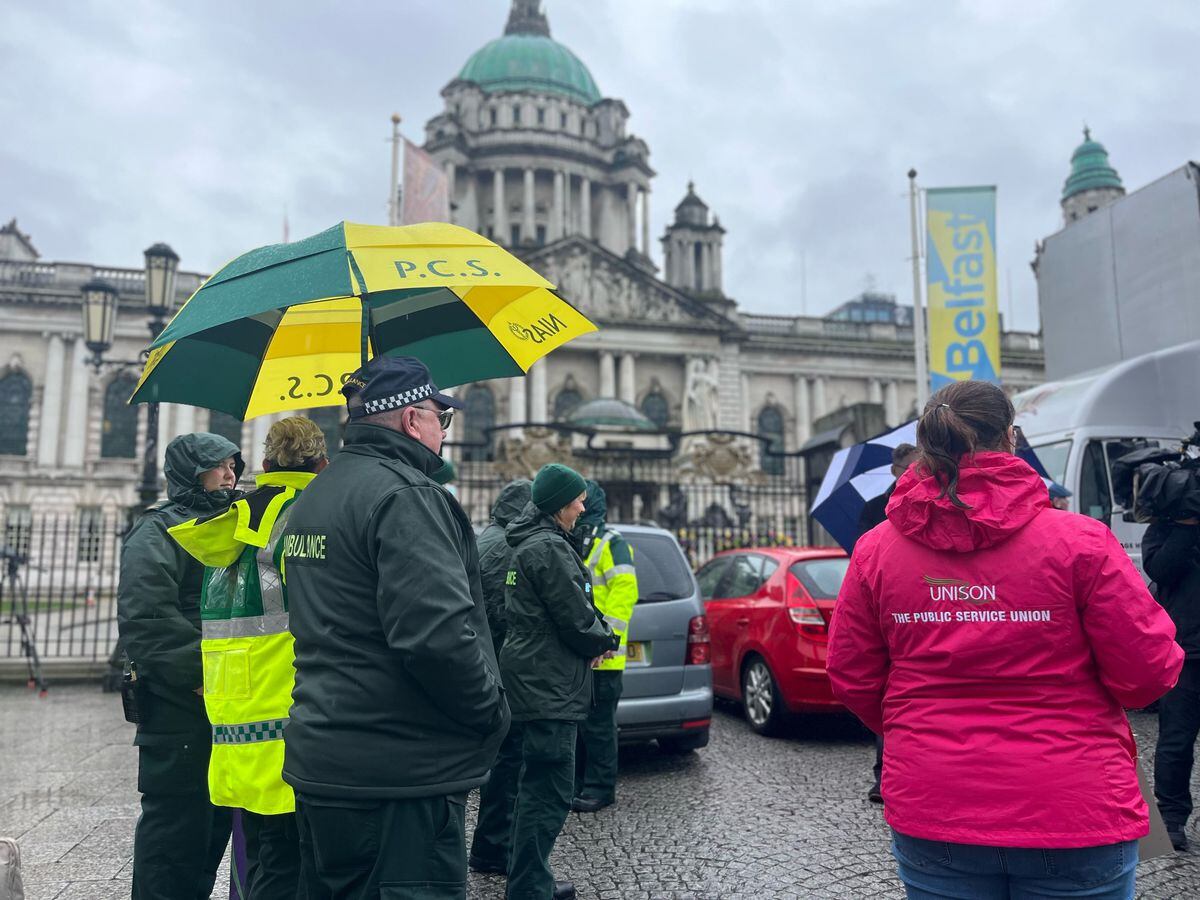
(874, 512)
(555, 636)
(493, 830)
(398, 710)
(180, 836)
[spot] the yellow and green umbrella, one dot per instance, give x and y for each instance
(281, 327)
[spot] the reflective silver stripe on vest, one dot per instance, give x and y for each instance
(616, 624)
(620, 652)
(249, 732)
(246, 626)
(598, 554)
(619, 570)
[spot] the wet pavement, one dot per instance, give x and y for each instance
(746, 817)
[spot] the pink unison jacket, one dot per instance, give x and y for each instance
(994, 648)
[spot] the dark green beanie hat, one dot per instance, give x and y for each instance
(555, 486)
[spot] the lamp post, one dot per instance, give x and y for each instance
(100, 302)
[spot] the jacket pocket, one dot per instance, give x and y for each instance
(227, 673)
(1092, 866)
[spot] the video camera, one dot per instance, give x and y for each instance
(1160, 482)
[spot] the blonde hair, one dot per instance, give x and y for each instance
(294, 442)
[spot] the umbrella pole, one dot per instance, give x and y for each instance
(365, 330)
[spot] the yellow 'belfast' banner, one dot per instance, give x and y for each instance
(964, 317)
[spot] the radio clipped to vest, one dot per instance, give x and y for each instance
(133, 695)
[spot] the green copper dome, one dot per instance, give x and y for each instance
(530, 62)
(1090, 169)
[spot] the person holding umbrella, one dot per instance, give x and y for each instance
(555, 637)
(397, 710)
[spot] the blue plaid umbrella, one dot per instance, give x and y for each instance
(859, 473)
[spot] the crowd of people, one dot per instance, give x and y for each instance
(337, 656)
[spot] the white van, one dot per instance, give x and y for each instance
(1080, 425)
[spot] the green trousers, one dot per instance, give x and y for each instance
(543, 801)
(180, 836)
(596, 772)
(493, 830)
(400, 849)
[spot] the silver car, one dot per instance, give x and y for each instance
(667, 693)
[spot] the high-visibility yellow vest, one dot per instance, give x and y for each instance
(614, 588)
(247, 647)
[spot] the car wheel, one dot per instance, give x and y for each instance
(761, 700)
(677, 746)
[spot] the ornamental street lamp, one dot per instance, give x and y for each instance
(99, 321)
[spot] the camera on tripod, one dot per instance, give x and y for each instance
(1160, 482)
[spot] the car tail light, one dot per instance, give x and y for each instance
(699, 650)
(806, 615)
(802, 611)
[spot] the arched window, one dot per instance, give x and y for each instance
(329, 420)
(770, 426)
(565, 401)
(479, 416)
(118, 436)
(15, 393)
(656, 409)
(226, 426)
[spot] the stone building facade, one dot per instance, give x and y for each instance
(544, 164)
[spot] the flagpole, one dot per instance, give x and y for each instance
(394, 193)
(919, 348)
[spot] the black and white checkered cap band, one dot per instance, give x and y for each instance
(396, 401)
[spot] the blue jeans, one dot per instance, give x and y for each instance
(935, 870)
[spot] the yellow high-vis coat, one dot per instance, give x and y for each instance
(614, 588)
(247, 647)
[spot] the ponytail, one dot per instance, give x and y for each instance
(959, 420)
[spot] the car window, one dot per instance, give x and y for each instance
(1095, 496)
(822, 578)
(744, 576)
(662, 569)
(1053, 458)
(709, 576)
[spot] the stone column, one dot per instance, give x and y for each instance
(52, 396)
(569, 226)
(185, 419)
(874, 391)
(449, 168)
(77, 407)
(528, 232)
(747, 423)
(706, 276)
(631, 192)
(499, 210)
(468, 213)
(802, 409)
(645, 223)
(608, 374)
(166, 419)
(628, 388)
(516, 401)
(716, 256)
(891, 403)
(585, 207)
(555, 231)
(819, 407)
(538, 407)
(693, 277)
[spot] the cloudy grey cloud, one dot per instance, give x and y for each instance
(199, 124)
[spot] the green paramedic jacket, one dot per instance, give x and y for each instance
(397, 690)
(158, 597)
(554, 631)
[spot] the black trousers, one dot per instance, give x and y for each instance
(1178, 726)
(398, 849)
(596, 778)
(180, 836)
(544, 791)
(877, 768)
(272, 856)
(493, 829)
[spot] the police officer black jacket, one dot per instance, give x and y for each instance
(554, 631)
(397, 688)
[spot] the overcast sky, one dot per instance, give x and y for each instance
(198, 124)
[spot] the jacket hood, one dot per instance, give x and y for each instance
(1004, 494)
(191, 454)
(595, 507)
(513, 498)
(529, 522)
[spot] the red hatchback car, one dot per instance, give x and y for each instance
(768, 612)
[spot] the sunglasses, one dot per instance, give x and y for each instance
(445, 416)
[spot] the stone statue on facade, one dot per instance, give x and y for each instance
(701, 396)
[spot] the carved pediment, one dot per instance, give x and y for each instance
(606, 288)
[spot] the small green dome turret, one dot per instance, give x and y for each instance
(526, 58)
(1090, 169)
